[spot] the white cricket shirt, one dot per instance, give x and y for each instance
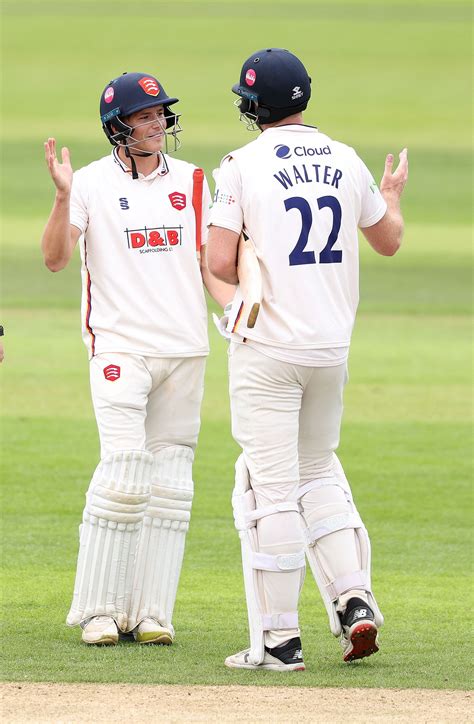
(301, 197)
(142, 288)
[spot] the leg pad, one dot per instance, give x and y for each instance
(163, 536)
(337, 545)
(115, 505)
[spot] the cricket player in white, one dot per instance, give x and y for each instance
(301, 197)
(140, 217)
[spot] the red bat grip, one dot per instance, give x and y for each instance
(198, 178)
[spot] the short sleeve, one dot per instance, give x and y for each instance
(79, 214)
(227, 207)
(373, 205)
(206, 206)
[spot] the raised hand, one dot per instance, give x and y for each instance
(61, 173)
(393, 182)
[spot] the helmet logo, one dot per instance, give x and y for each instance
(150, 86)
(297, 93)
(250, 76)
(109, 94)
(178, 200)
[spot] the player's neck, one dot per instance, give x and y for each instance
(296, 119)
(144, 164)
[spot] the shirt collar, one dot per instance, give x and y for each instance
(293, 127)
(161, 170)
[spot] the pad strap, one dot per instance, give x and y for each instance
(358, 579)
(331, 525)
(258, 513)
(279, 621)
(278, 563)
(246, 514)
(316, 484)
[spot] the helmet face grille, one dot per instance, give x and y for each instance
(120, 133)
(249, 118)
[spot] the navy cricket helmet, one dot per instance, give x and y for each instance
(273, 84)
(127, 94)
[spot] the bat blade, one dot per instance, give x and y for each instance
(250, 280)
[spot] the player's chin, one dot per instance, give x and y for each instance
(156, 143)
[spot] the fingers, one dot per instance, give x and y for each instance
(403, 165)
(51, 145)
(393, 182)
(389, 163)
(66, 158)
(59, 171)
(387, 173)
(50, 151)
(401, 173)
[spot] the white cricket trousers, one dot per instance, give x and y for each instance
(287, 419)
(155, 402)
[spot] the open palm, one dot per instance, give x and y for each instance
(61, 173)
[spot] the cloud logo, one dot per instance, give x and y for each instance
(282, 151)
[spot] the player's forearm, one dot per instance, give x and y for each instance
(385, 237)
(222, 248)
(221, 292)
(395, 223)
(222, 265)
(56, 241)
(226, 275)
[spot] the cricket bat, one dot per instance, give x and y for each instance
(198, 178)
(250, 281)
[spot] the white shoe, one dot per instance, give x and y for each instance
(101, 631)
(288, 657)
(150, 631)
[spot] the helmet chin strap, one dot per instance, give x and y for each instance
(131, 150)
(143, 154)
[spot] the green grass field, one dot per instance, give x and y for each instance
(385, 75)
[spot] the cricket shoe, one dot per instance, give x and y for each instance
(100, 631)
(288, 657)
(150, 631)
(359, 632)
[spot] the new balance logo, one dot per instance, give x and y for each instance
(298, 654)
(360, 613)
(112, 372)
(124, 203)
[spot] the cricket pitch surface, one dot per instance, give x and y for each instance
(27, 702)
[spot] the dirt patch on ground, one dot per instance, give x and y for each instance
(136, 703)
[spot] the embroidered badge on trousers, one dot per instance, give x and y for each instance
(112, 372)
